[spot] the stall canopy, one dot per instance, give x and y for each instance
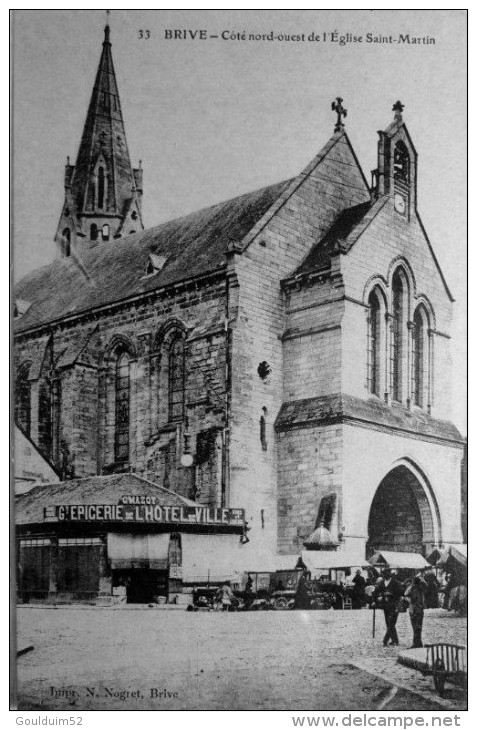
(454, 553)
(210, 558)
(332, 560)
(398, 560)
(138, 551)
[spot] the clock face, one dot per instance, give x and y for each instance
(399, 203)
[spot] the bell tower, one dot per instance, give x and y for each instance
(396, 174)
(102, 191)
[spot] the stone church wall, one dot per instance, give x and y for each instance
(275, 250)
(87, 423)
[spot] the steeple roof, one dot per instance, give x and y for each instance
(104, 138)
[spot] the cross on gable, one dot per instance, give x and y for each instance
(340, 111)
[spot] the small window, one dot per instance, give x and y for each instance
(134, 215)
(106, 232)
(101, 188)
(263, 429)
(66, 242)
(401, 162)
(93, 232)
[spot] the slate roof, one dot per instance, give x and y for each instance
(344, 231)
(111, 271)
(341, 406)
(91, 490)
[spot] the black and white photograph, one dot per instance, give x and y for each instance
(238, 367)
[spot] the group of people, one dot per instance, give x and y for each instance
(393, 597)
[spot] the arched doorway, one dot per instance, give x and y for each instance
(401, 517)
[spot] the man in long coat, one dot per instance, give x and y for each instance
(389, 594)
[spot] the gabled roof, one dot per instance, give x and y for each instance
(112, 271)
(338, 233)
(29, 507)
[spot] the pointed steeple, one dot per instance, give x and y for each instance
(102, 191)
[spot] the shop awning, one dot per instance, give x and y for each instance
(332, 559)
(210, 558)
(396, 560)
(138, 551)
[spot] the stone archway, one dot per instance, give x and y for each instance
(401, 517)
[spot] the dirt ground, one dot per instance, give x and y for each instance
(158, 659)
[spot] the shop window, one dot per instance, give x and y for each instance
(122, 409)
(23, 399)
(176, 377)
(34, 568)
(105, 232)
(78, 566)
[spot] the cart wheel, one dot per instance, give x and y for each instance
(280, 603)
(439, 676)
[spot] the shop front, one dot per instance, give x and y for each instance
(116, 539)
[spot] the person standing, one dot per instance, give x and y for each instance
(416, 594)
(359, 590)
(389, 592)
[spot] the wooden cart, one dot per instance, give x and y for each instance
(446, 663)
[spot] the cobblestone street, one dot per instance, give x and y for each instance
(153, 659)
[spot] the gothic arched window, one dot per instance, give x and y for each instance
(101, 188)
(375, 342)
(122, 409)
(45, 418)
(398, 336)
(23, 399)
(93, 232)
(401, 162)
(420, 369)
(176, 377)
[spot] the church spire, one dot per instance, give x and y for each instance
(102, 191)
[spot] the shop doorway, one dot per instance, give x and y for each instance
(143, 585)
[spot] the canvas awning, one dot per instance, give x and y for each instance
(210, 558)
(332, 559)
(138, 551)
(396, 560)
(458, 553)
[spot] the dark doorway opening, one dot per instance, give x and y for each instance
(399, 515)
(142, 584)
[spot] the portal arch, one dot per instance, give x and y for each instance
(404, 514)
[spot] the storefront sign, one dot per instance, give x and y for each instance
(144, 512)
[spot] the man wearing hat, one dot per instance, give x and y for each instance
(389, 594)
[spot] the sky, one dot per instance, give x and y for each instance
(211, 119)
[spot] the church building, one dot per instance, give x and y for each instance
(221, 390)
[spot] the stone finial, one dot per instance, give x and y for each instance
(337, 107)
(107, 28)
(398, 109)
